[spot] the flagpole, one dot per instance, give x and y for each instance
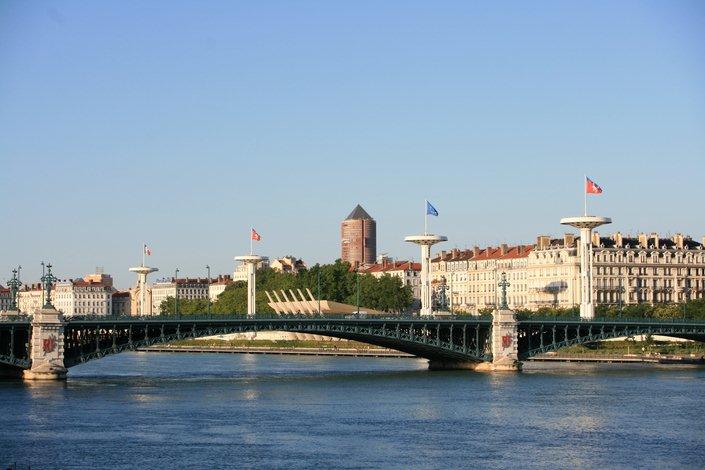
(425, 218)
(251, 230)
(144, 245)
(585, 192)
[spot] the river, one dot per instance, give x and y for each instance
(177, 410)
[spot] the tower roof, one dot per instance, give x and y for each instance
(359, 214)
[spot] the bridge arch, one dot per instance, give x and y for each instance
(537, 337)
(433, 340)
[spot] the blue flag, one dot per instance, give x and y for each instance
(430, 210)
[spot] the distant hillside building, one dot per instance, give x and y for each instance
(287, 264)
(358, 238)
(217, 286)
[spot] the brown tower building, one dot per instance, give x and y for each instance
(358, 238)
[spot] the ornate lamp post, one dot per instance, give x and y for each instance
(44, 270)
(48, 279)
(357, 277)
(208, 294)
(14, 285)
(176, 291)
(503, 284)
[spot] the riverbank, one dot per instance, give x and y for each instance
(623, 359)
(295, 351)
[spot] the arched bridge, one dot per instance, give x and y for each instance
(464, 342)
(536, 336)
(85, 339)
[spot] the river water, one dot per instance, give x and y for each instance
(147, 410)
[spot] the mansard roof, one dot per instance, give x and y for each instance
(392, 266)
(359, 214)
(491, 252)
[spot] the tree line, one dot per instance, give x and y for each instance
(336, 282)
(690, 310)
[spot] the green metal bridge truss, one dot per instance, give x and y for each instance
(467, 339)
(538, 336)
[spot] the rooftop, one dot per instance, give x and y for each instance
(359, 214)
(392, 266)
(488, 253)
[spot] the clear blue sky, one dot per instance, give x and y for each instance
(182, 124)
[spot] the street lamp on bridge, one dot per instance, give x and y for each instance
(208, 289)
(176, 291)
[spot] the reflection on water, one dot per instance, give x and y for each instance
(179, 410)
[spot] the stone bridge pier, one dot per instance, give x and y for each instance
(46, 349)
(505, 340)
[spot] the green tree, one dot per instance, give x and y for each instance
(338, 284)
(186, 306)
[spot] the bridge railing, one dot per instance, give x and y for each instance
(630, 320)
(267, 316)
(22, 317)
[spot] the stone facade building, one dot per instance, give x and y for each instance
(30, 298)
(358, 238)
(122, 303)
(627, 270)
(92, 295)
(188, 288)
(471, 276)
(5, 298)
(408, 271)
(218, 285)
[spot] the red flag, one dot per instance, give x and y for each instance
(255, 236)
(147, 250)
(591, 187)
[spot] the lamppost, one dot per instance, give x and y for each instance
(43, 274)
(357, 277)
(176, 292)
(208, 294)
(48, 279)
(14, 285)
(504, 284)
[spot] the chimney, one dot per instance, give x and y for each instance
(596, 238)
(443, 254)
(618, 241)
(654, 238)
(503, 249)
(643, 241)
(455, 253)
(678, 240)
(476, 249)
(568, 240)
(543, 241)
